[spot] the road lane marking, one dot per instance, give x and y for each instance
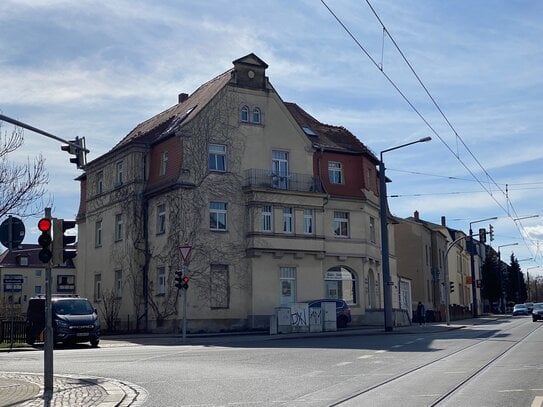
(365, 357)
(343, 363)
(396, 346)
(538, 401)
(511, 391)
(380, 351)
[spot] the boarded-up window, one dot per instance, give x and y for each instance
(220, 292)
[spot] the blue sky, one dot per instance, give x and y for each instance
(96, 69)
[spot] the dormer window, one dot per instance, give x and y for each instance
(22, 260)
(256, 115)
(244, 114)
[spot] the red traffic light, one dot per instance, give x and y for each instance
(185, 280)
(44, 225)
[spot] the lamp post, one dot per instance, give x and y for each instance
(500, 275)
(387, 282)
(530, 297)
(519, 274)
(472, 264)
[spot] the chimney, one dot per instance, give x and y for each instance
(443, 221)
(182, 97)
(416, 215)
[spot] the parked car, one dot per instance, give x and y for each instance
(530, 306)
(537, 312)
(343, 311)
(520, 309)
(74, 320)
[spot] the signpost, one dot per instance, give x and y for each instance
(184, 251)
(12, 232)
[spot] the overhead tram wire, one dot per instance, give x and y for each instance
(413, 107)
(406, 99)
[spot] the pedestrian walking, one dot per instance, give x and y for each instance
(421, 314)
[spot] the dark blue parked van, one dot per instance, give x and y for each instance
(74, 320)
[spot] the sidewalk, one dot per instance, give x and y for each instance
(26, 389)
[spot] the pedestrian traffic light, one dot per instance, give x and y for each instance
(78, 149)
(44, 225)
(185, 281)
(62, 250)
(179, 279)
(451, 288)
(491, 232)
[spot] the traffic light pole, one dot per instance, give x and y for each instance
(48, 346)
(185, 306)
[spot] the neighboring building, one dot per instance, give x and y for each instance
(22, 264)
(278, 207)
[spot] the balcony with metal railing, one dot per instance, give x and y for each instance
(267, 179)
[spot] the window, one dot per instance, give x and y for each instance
(267, 218)
(119, 173)
(244, 114)
(280, 169)
(217, 216)
(98, 234)
(118, 227)
(23, 260)
(100, 182)
(97, 287)
(37, 273)
(163, 163)
(65, 283)
(217, 157)
(340, 284)
(369, 181)
(341, 224)
(372, 229)
(220, 292)
(161, 280)
(161, 219)
(256, 115)
(335, 173)
(118, 283)
(37, 289)
(288, 223)
(287, 285)
(308, 221)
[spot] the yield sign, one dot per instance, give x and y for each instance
(185, 251)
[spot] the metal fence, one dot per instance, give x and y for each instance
(12, 331)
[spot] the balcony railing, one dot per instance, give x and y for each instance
(257, 178)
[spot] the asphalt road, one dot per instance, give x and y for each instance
(494, 364)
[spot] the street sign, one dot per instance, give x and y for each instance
(12, 232)
(184, 250)
(13, 281)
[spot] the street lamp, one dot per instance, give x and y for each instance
(500, 275)
(387, 282)
(526, 217)
(472, 263)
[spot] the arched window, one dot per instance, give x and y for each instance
(244, 114)
(256, 115)
(341, 284)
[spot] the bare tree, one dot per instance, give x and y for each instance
(110, 307)
(22, 186)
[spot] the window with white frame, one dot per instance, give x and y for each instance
(65, 283)
(288, 220)
(119, 173)
(217, 157)
(220, 291)
(97, 287)
(217, 216)
(341, 224)
(287, 282)
(267, 218)
(257, 117)
(335, 172)
(163, 163)
(309, 221)
(118, 283)
(372, 230)
(161, 280)
(98, 233)
(161, 219)
(340, 283)
(100, 182)
(244, 114)
(119, 227)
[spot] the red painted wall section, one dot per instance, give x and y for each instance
(173, 146)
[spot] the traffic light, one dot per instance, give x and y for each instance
(185, 281)
(61, 249)
(451, 288)
(491, 232)
(482, 235)
(80, 153)
(44, 225)
(179, 279)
